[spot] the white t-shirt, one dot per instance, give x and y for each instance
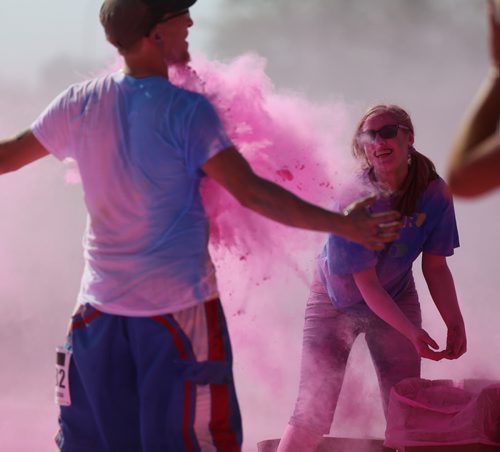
(139, 145)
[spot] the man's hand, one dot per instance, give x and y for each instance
(371, 231)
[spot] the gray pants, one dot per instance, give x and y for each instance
(328, 338)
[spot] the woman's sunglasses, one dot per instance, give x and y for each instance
(386, 132)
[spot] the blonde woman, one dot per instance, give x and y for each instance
(357, 290)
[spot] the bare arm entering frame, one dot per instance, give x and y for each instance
(233, 172)
(474, 163)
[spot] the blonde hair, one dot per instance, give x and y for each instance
(421, 170)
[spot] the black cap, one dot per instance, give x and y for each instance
(126, 21)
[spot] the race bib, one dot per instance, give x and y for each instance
(63, 358)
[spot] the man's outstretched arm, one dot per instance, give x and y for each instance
(474, 163)
(20, 151)
(233, 172)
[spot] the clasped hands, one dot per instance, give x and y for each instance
(456, 344)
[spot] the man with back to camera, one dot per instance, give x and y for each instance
(148, 354)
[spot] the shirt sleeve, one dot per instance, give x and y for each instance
(205, 135)
(53, 127)
(443, 238)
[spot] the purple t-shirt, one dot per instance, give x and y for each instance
(432, 229)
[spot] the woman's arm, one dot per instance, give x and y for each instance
(382, 304)
(442, 289)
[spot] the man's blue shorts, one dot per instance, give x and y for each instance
(151, 384)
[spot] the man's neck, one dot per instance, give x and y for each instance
(139, 66)
(143, 72)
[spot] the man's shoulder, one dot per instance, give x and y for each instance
(84, 87)
(189, 97)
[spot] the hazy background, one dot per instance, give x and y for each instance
(427, 55)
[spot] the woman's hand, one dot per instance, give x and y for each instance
(456, 341)
(426, 346)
